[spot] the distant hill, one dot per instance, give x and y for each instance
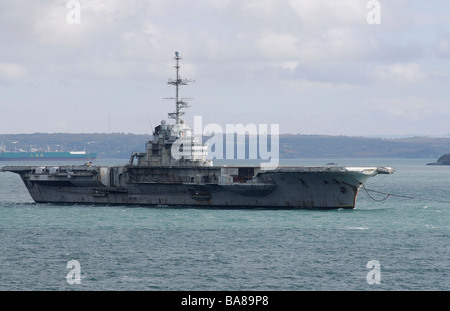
(116, 145)
(443, 160)
(305, 146)
(121, 145)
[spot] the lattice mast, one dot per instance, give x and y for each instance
(180, 103)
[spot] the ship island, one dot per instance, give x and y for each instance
(156, 177)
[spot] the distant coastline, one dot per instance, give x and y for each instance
(121, 145)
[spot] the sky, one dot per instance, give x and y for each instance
(328, 67)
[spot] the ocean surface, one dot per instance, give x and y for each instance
(396, 242)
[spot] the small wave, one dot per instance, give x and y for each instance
(357, 228)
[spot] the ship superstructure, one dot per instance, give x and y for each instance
(159, 150)
(174, 170)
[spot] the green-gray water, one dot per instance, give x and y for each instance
(139, 248)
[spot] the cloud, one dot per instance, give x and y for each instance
(409, 108)
(325, 14)
(401, 74)
(246, 56)
(442, 48)
(134, 34)
(279, 46)
(11, 71)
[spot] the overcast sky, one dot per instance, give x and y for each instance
(311, 66)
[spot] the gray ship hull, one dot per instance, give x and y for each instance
(212, 187)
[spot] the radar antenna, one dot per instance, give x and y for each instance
(180, 102)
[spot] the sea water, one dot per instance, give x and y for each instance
(395, 242)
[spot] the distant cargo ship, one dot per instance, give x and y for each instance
(40, 155)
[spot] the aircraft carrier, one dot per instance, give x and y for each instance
(161, 177)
